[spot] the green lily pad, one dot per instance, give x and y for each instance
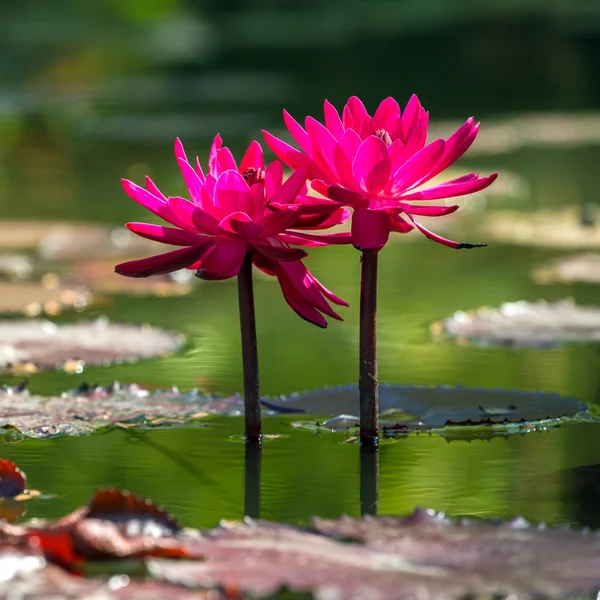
(524, 324)
(415, 408)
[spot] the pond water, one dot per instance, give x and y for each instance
(64, 160)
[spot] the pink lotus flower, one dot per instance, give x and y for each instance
(378, 164)
(235, 211)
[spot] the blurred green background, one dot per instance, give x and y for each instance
(94, 91)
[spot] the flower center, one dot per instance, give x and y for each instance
(253, 175)
(383, 135)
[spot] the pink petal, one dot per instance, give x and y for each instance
(430, 211)
(324, 145)
(359, 114)
(273, 178)
(329, 294)
(232, 194)
(451, 189)
(397, 155)
(371, 166)
(266, 265)
(297, 132)
(290, 238)
(336, 239)
(333, 121)
(350, 144)
(253, 158)
(323, 220)
(293, 158)
(456, 145)
(418, 137)
(225, 261)
(179, 151)
(225, 160)
(280, 252)
(370, 229)
(212, 156)
(241, 224)
(291, 188)
(154, 204)
(417, 167)
(163, 263)
(334, 192)
(194, 218)
(302, 307)
(192, 181)
(166, 235)
(434, 237)
(199, 170)
(400, 225)
(305, 284)
(347, 120)
(385, 111)
(277, 221)
(154, 190)
(410, 118)
(257, 191)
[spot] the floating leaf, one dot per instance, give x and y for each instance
(83, 410)
(62, 240)
(15, 266)
(26, 575)
(100, 276)
(584, 268)
(414, 407)
(524, 324)
(541, 229)
(115, 524)
(12, 479)
(424, 555)
(49, 346)
(33, 298)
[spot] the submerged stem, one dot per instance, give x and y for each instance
(249, 352)
(252, 477)
(368, 384)
(369, 480)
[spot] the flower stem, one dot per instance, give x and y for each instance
(369, 480)
(252, 476)
(368, 384)
(249, 352)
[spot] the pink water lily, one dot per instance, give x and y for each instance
(378, 165)
(236, 211)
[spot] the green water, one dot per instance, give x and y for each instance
(101, 92)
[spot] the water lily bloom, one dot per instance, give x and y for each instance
(379, 164)
(234, 211)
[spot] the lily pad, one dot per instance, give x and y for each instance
(524, 324)
(540, 228)
(584, 268)
(415, 408)
(82, 411)
(15, 266)
(26, 575)
(48, 296)
(100, 276)
(423, 555)
(48, 346)
(61, 240)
